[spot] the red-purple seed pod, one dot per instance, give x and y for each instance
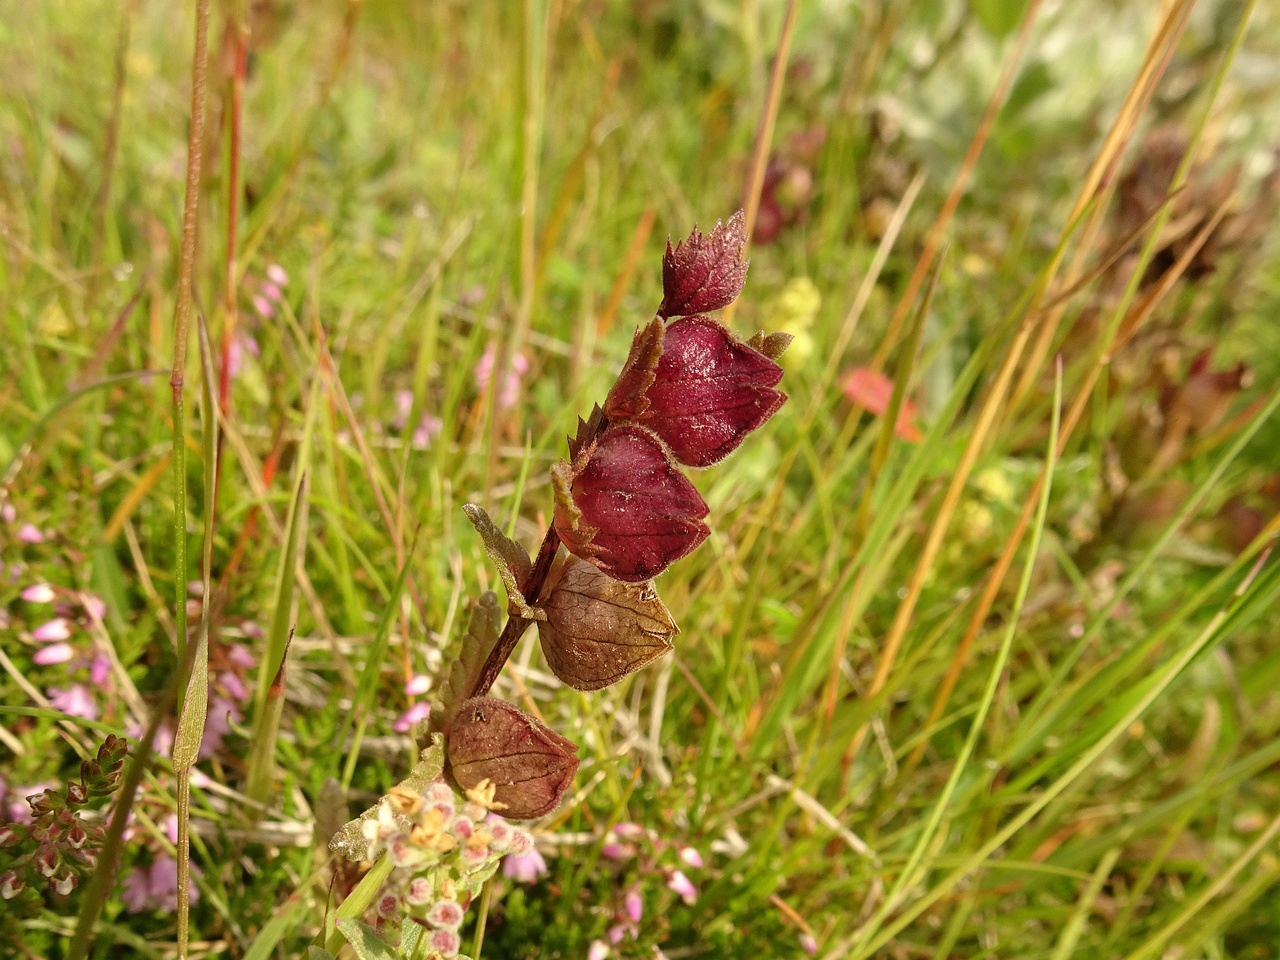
(76, 793)
(706, 392)
(626, 508)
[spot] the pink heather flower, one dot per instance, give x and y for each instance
(418, 684)
(691, 856)
(429, 428)
(445, 914)
(137, 888)
(403, 853)
(171, 828)
(54, 653)
(163, 742)
(476, 857)
(263, 306)
(683, 886)
(241, 344)
(8, 513)
(404, 404)
(808, 943)
(30, 533)
(95, 606)
(161, 745)
(276, 274)
(52, 630)
(598, 950)
(524, 868)
(634, 905)
(217, 724)
(164, 885)
(99, 669)
(500, 832)
(445, 942)
(616, 933)
(271, 291)
(235, 358)
(618, 851)
(415, 714)
(74, 700)
(628, 830)
(510, 384)
(234, 686)
(238, 653)
(38, 593)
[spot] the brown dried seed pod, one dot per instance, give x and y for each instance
(530, 765)
(599, 629)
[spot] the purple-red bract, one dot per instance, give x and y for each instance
(636, 513)
(709, 391)
(704, 273)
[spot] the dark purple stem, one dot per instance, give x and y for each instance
(516, 626)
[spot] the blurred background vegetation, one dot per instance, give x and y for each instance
(387, 265)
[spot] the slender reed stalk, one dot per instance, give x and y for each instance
(1124, 324)
(182, 314)
(933, 241)
(111, 142)
(764, 130)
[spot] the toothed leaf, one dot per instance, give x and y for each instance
(483, 628)
(511, 559)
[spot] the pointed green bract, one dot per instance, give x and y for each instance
(511, 559)
(483, 626)
(349, 842)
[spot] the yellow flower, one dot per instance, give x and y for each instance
(480, 837)
(483, 793)
(429, 832)
(793, 312)
(405, 800)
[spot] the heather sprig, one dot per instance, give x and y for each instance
(58, 848)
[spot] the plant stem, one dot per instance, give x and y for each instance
(516, 626)
(229, 292)
(102, 202)
(182, 316)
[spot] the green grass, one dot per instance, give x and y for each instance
(1101, 781)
